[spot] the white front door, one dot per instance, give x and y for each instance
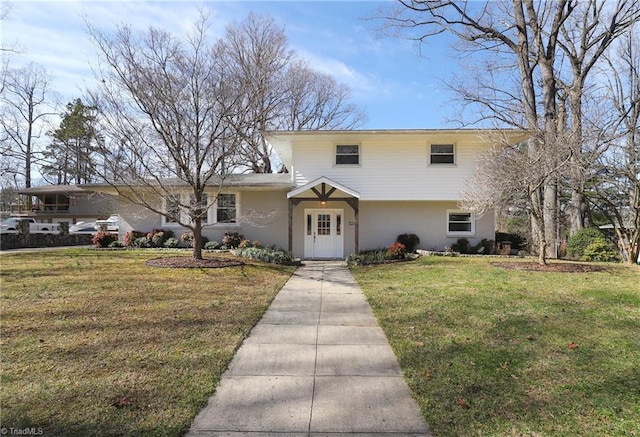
(324, 230)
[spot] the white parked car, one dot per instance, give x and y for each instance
(83, 228)
(12, 224)
(112, 223)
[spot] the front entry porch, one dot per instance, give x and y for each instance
(324, 225)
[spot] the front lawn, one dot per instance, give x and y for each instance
(98, 343)
(491, 351)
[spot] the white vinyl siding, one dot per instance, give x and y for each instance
(396, 168)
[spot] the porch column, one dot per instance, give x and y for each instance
(356, 216)
(353, 202)
(291, 206)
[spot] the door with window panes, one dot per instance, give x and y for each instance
(324, 229)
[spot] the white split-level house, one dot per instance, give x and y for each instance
(347, 191)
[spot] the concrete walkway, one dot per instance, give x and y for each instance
(317, 364)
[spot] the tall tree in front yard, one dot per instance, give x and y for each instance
(530, 43)
(169, 111)
(70, 158)
(614, 185)
(280, 91)
(26, 105)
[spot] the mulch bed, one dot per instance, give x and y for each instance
(550, 267)
(187, 262)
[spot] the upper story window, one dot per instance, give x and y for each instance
(460, 223)
(442, 154)
(226, 208)
(348, 155)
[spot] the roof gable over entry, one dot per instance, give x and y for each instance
(323, 189)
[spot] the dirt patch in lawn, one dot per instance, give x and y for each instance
(550, 267)
(187, 262)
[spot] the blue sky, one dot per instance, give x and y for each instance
(399, 88)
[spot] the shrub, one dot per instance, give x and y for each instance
(518, 242)
(367, 257)
(232, 240)
(103, 239)
(247, 243)
(485, 247)
(187, 238)
(212, 245)
(268, 255)
(600, 250)
(142, 242)
(578, 242)
(171, 243)
(157, 237)
(461, 246)
(396, 251)
(131, 236)
(410, 241)
(116, 244)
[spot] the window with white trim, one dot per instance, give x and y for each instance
(442, 154)
(348, 154)
(461, 222)
(202, 208)
(226, 208)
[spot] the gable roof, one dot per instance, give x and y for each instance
(339, 189)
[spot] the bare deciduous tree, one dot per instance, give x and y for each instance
(614, 186)
(531, 38)
(280, 91)
(170, 111)
(26, 105)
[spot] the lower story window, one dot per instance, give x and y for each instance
(460, 223)
(172, 209)
(226, 208)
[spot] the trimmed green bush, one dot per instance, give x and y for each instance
(367, 257)
(171, 243)
(578, 242)
(600, 250)
(212, 245)
(142, 243)
(267, 255)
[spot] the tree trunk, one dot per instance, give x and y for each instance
(197, 238)
(550, 214)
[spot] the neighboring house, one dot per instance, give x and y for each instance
(347, 191)
(63, 203)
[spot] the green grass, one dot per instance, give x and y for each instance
(97, 343)
(495, 352)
